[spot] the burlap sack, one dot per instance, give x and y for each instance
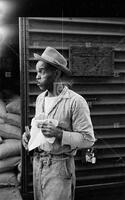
(10, 193)
(14, 106)
(8, 131)
(19, 177)
(8, 179)
(1, 140)
(2, 111)
(9, 164)
(1, 121)
(19, 167)
(13, 119)
(10, 148)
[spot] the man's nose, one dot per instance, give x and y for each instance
(37, 76)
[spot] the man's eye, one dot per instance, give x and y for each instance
(41, 71)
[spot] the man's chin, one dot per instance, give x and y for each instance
(42, 88)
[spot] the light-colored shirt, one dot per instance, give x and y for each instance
(73, 115)
(49, 101)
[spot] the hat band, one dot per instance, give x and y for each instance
(52, 60)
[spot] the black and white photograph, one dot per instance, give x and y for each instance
(62, 100)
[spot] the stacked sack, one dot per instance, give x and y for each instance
(10, 140)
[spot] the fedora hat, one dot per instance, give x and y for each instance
(53, 57)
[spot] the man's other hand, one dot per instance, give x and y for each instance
(49, 130)
(26, 137)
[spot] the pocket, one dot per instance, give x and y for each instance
(65, 169)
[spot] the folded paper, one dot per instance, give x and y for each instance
(37, 138)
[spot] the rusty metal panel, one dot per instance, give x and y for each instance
(77, 26)
(91, 61)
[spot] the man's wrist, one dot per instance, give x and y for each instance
(60, 134)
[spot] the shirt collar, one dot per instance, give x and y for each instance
(64, 94)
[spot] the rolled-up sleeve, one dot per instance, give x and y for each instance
(82, 134)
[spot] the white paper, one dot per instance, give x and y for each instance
(37, 138)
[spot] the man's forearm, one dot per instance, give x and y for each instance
(77, 140)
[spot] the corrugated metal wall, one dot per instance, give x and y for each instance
(105, 95)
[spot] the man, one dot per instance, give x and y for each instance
(53, 165)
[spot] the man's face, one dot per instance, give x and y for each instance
(45, 75)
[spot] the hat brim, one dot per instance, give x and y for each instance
(61, 68)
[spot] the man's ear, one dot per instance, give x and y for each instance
(58, 74)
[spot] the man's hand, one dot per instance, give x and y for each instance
(26, 137)
(49, 130)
